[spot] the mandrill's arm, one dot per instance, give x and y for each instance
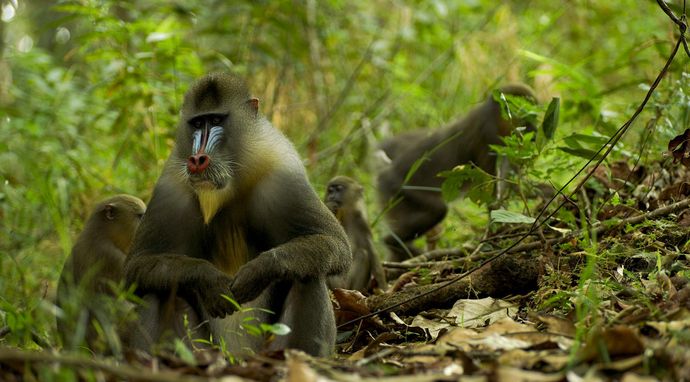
(167, 254)
(309, 241)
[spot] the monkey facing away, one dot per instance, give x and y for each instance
(233, 214)
(414, 207)
(344, 197)
(391, 148)
(93, 268)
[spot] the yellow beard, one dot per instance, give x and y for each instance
(211, 200)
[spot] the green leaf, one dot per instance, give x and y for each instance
(415, 166)
(505, 216)
(580, 152)
(478, 184)
(585, 140)
(253, 330)
(279, 329)
(184, 353)
(232, 301)
(551, 117)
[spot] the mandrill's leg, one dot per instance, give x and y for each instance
(161, 320)
(309, 313)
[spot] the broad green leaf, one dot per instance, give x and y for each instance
(551, 117)
(585, 140)
(580, 152)
(478, 184)
(505, 216)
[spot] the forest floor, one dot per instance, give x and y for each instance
(608, 302)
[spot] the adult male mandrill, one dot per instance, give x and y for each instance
(233, 214)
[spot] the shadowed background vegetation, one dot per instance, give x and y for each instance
(90, 93)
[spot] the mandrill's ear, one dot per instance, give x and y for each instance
(254, 104)
(110, 211)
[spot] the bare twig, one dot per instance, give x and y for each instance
(424, 264)
(376, 356)
(671, 15)
(435, 254)
(89, 363)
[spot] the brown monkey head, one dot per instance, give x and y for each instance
(118, 217)
(344, 195)
(216, 115)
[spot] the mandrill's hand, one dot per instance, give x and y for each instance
(209, 295)
(253, 277)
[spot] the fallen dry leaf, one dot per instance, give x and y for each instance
(432, 326)
(511, 374)
(298, 370)
(679, 147)
(615, 341)
(474, 313)
(632, 377)
(489, 339)
(557, 325)
(548, 360)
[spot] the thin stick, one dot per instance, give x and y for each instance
(82, 362)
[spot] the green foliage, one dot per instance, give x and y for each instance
(515, 107)
(478, 183)
(584, 145)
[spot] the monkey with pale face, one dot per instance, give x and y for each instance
(233, 215)
(345, 198)
(93, 269)
(414, 202)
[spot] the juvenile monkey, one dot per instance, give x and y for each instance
(345, 198)
(93, 267)
(234, 215)
(415, 208)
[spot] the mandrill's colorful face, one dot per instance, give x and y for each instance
(207, 166)
(218, 116)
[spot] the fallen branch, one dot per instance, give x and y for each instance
(508, 275)
(425, 264)
(89, 363)
(435, 254)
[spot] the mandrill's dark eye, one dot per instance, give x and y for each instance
(197, 123)
(215, 121)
